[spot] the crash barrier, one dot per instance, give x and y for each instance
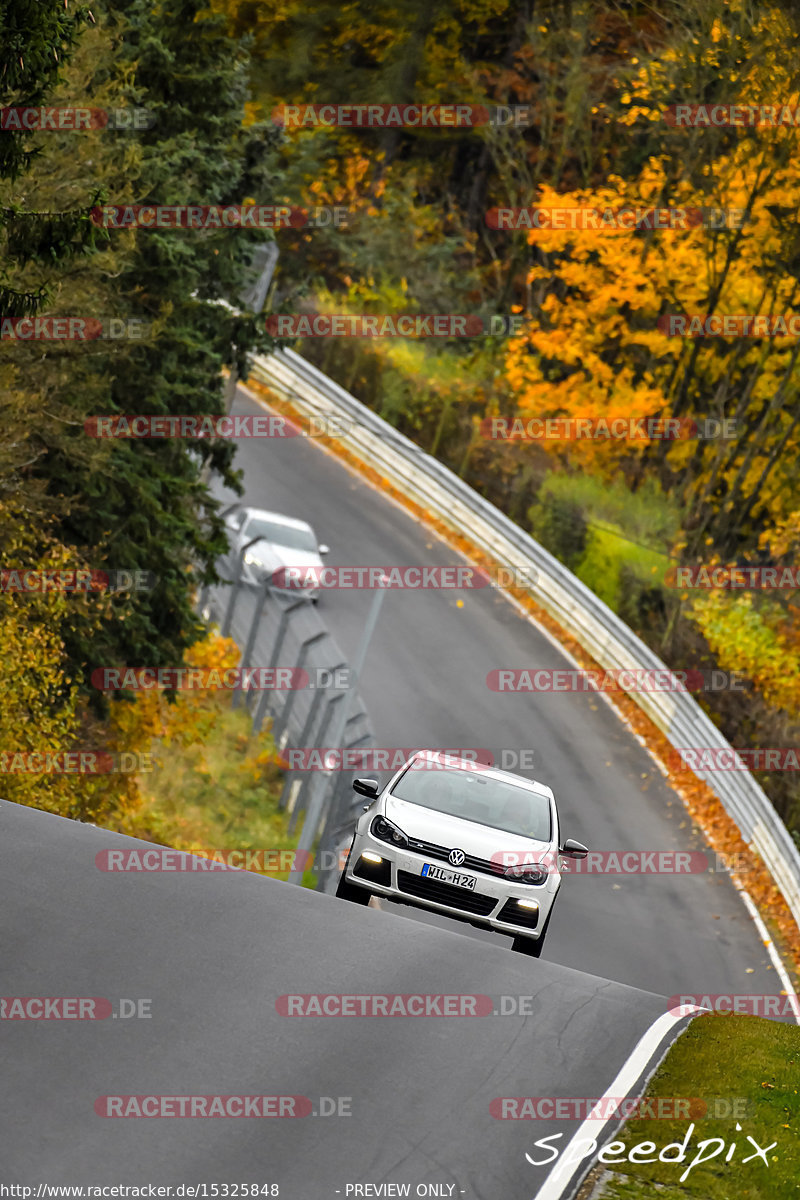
(294, 675)
(437, 490)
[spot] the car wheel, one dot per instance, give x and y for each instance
(533, 949)
(349, 891)
(523, 945)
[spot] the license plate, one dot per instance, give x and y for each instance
(431, 871)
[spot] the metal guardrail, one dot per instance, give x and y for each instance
(275, 631)
(602, 634)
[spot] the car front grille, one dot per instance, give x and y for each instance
(445, 893)
(471, 862)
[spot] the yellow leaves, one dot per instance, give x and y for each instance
(597, 345)
(743, 640)
(252, 113)
(784, 537)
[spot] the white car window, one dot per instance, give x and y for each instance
(476, 796)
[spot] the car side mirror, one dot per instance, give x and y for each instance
(366, 787)
(573, 849)
(324, 549)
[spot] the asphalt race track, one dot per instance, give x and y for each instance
(208, 955)
(212, 953)
(425, 686)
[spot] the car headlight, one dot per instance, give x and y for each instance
(386, 831)
(527, 873)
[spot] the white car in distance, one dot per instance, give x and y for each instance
(282, 542)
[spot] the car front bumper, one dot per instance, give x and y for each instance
(494, 903)
(258, 579)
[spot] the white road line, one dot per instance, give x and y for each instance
(773, 952)
(591, 1129)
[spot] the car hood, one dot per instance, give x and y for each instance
(284, 556)
(454, 832)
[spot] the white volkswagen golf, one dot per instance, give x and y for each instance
(472, 842)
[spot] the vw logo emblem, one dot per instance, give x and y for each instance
(456, 857)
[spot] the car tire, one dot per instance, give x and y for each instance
(349, 891)
(524, 945)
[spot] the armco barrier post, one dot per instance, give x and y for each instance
(252, 633)
(238, 583)
(305, 740)
(308, 833)
(310, 779)
(338, 811)
(263, 700)
(282, 722)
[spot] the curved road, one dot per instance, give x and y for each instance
(425, 686)
(211, 954)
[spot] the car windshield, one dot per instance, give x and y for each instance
(282, 535)
(475, 796)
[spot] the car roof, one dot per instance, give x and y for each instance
(277, 518)
(466, 764)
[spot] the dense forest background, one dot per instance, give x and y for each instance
(597, 77)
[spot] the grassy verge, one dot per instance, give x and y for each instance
(738, 1070)
(215, 793)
